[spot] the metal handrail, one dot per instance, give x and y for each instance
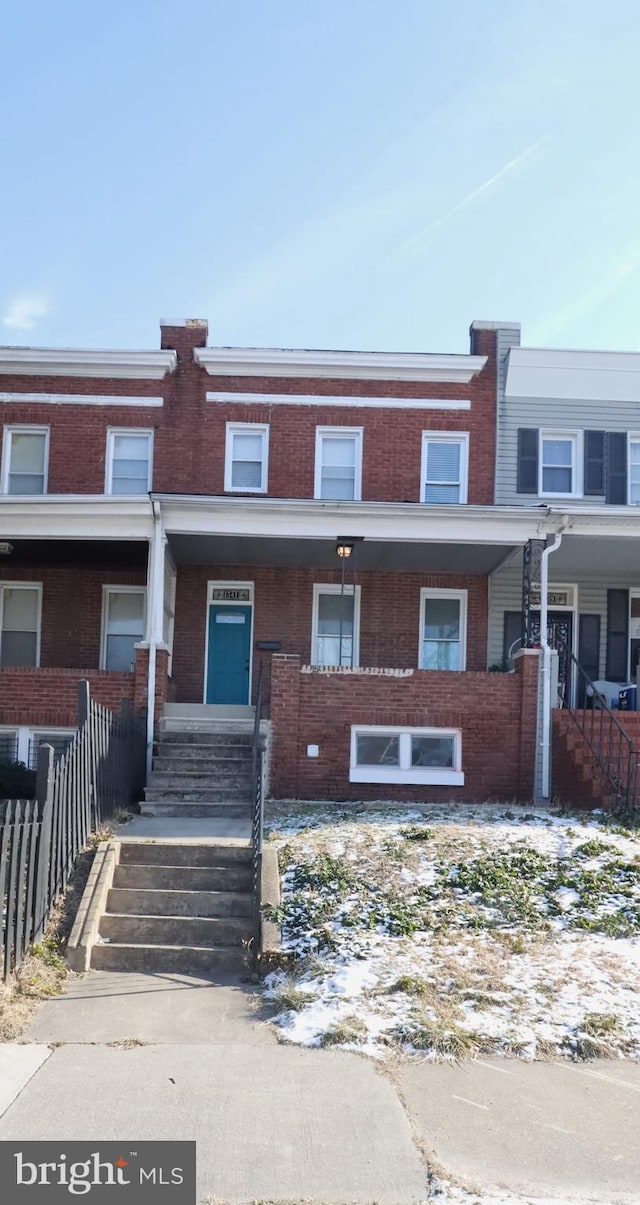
(610, 745)
(257, 817)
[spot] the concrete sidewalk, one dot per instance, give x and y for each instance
(154, 1056)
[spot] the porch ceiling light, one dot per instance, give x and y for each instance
(5, 548)
(344, 549)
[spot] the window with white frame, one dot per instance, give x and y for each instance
(335, 625)
(60, 739)
(123, 617)
(246, 457)
(338, 473)
(20, 609)
(406, 755)
(9, 745)
(25, 460)
(129, 461)
(634, 470)
(560, 463)
(445, 461)
(443, 629)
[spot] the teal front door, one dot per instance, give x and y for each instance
(229, 654)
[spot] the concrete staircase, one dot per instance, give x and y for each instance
(177, 906)
(203, 763)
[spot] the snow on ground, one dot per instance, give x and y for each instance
(445, 1193)
(468, 930)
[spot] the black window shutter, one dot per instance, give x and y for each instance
(617, 635)
(593, 462)
(616, 468)
(527, 460)
(512, 631)
(588, 650)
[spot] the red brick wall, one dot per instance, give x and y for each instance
(190, 432)
(389, 616)
(71, 608)
(319, 707)
(50, 696)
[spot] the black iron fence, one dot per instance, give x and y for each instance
(611, 746)
(257, 817)
(101, 772)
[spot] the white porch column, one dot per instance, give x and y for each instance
(155, 617)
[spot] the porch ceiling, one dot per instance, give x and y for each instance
(321, 554)
(89, 554)
(596, 555)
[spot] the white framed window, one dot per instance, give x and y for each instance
(633, 475)
(443, 629)
(58, 738)
(20, 624)
(338, 472)
(381, 753)
(25, 460)
(246, 462)
(560, 464)
(123, 620)
(129, 463)
(9, 747)
(445, 467)
(335, 625)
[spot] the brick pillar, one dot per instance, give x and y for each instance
(285, 703)
(140, 679)
(162, 683)
(527, 663)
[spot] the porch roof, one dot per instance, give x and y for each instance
(391, 536)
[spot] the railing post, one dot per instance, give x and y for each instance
(44, 796)
(83, 702)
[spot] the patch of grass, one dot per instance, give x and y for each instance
(289, 997)
(592, 849)
(434, 1035)
(411, 985)
(349, 1029)
(418, 832)
(598, 1025)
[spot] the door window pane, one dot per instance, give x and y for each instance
(327, 637)
(27, 462)
(444, 460)
(338, 476)
(130, 466)
(125, 628)
(19, 637)
(441, 645)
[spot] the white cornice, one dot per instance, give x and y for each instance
(319, 399)
(78, 362)
(79, 399)
(75, 517)
(336, 365)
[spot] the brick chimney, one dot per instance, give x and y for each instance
(183, 335)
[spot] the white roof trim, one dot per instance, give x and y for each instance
(315, 399)
(79, 399)
(75, 362)
(600, 376)
(353, 365)
(75, 517)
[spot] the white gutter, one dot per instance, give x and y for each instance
(546, 662)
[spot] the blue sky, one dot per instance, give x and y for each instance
(320, 173)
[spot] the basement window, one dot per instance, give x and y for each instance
(406, 755)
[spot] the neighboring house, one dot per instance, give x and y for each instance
(569, 440)
(173, 520)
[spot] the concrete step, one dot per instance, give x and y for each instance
(173, 808)
(185, 854)
(203, 758)
(205, 793)
(224, 736)
(205, 727)
(184, 878)
(119, 956)
(140, 901)
(174, 930)
(208, 711)
(195, 777)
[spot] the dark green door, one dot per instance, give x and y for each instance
(229, 654)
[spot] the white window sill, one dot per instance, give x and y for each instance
(422, 776)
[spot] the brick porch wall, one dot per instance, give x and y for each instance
(50, 696)
(496, 713)
(389, 617)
